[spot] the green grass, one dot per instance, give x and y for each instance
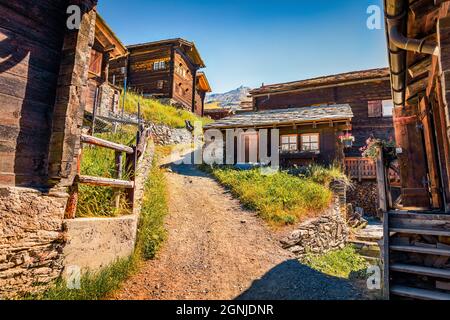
(325, 175)
(340, 263)
(100, 162)
(93, 286)
(150, 237)
(280, 199)
(154, 111)
(155, 207)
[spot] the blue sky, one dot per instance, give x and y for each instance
(250, 42)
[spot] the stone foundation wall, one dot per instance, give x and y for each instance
(31, 239)
(319, 235)
(94, 243)
(364, 195)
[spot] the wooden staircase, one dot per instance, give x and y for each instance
(417, 263)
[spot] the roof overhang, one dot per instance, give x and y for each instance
(190, 48)
(338, 80)
(203, 82)
(108, 39)
(285, 118)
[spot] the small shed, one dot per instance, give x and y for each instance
(306, 135)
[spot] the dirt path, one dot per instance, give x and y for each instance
(217, 250)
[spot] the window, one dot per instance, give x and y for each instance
(310, 142)
(160, 84)
(289, 143)
(375, 108)
(159, 65)
(388, 108)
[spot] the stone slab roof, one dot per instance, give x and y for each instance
(285, 117)
(332, 80)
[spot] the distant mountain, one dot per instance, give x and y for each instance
(229, 99)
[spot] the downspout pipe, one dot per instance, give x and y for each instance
(408, 44)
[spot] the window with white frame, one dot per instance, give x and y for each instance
(159, 65)
(289, 143)
(310, 142)
(388, 108)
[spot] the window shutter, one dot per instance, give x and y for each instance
(375, 108)
(95, 65)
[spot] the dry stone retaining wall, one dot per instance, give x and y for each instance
(31, 239)
(320, 235)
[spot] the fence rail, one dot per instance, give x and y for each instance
(366, 169)
(132, 156)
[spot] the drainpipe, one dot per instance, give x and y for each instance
(408, 44)
(398, 45)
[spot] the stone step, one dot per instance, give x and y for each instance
(369, 249)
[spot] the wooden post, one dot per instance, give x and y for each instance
(385, 248)
(72, 202)
(360, 163)
(118, 175)
(94, 111)
(381, 182)
(130, 165)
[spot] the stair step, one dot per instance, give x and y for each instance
(430, 232)
(415, 249)
(421, 294)
(423, 271)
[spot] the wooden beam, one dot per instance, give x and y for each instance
(105, 182)
(417, 86)
(105, 144)
(420, 67)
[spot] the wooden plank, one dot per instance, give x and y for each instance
(105, 144)
(381, 182)
(421, 294)
(422, 231)
(385, 257)
(419, 68)
(105, 182)
(438, 252)
(424, 271)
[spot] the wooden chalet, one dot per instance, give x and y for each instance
(307, 134)
(367, 92)
(417, 226)
(167, 70)
(103, 94)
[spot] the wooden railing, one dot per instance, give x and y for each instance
(361, 168)
(366, 169)
(132, 154)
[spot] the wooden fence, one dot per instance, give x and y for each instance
(132, 154)
(366, 169)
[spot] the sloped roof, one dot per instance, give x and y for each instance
(107, 37)
(337, 79)
(193, 53)
(285, 116)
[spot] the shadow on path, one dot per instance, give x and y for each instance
(292, 280)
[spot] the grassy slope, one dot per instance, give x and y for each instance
(340, 263)
(279, 198)
(151, 234)
(156, 112)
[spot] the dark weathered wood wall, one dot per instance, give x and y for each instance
(183, 85)
(31, 39)
(356, 95)
(141, 75)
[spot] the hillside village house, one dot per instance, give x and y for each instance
(307, 134)
(367, 92)
(166, 70)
